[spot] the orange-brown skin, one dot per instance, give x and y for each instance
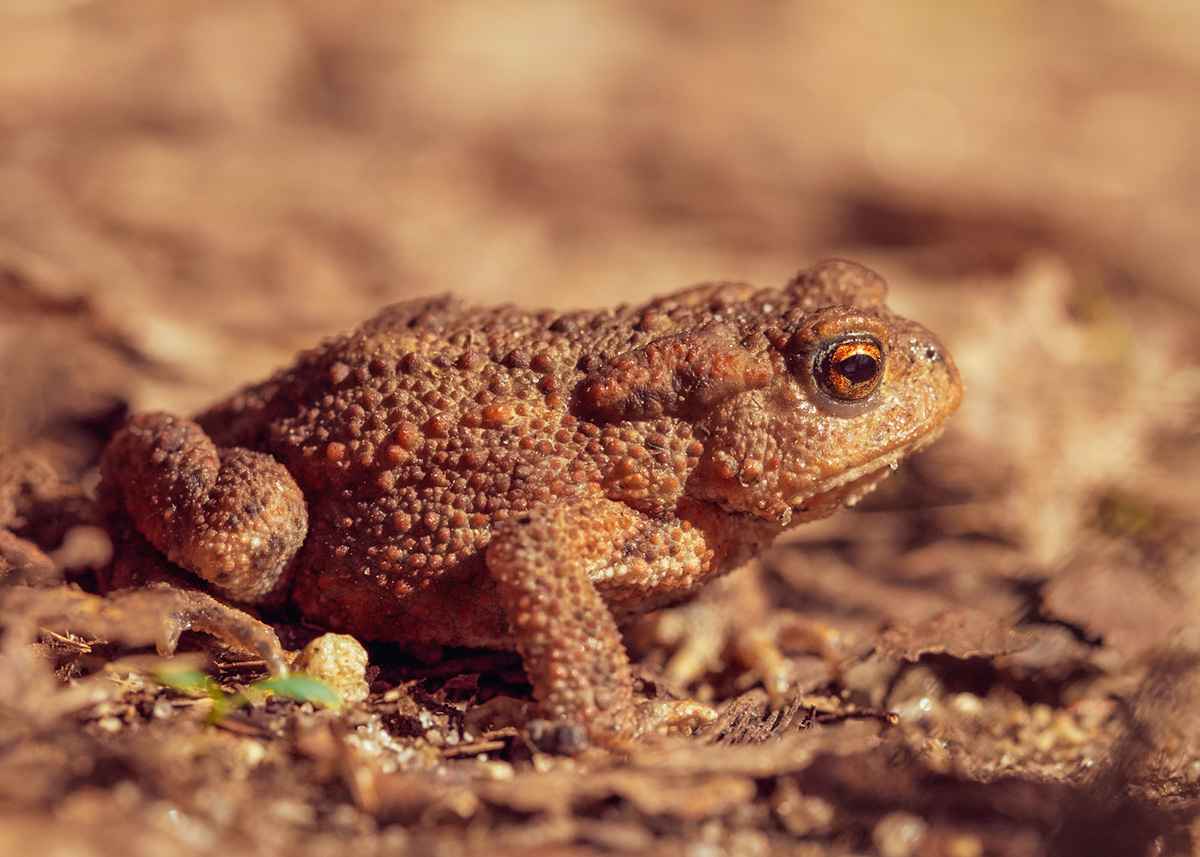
(493, 477)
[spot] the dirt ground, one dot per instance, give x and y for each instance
(191, 191)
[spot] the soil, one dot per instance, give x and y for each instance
(997, 653)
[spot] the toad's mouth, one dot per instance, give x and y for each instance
(848, 487)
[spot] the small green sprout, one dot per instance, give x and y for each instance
(302, 688)
(298, 687)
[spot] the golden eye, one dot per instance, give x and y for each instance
(849, 369)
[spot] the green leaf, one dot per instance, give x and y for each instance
(302, 688)
(188, 681)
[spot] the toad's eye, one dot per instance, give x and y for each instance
(849, 369)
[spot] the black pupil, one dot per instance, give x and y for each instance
(858, 368)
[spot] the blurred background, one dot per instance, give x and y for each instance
(191, 191)
(288, 165)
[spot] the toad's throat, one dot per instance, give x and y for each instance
(851, 485)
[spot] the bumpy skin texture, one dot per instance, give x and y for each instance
(494, 477)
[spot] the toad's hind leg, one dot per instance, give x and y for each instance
(232, 516)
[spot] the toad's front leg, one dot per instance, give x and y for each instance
(557, 570)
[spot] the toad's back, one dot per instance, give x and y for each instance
(415, 436)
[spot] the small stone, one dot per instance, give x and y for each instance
(340, 661)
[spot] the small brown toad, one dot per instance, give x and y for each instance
(449, 474)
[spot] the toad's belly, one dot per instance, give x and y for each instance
(455, 605)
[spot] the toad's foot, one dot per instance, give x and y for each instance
(155, 615)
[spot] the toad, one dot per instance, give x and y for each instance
(456, 475)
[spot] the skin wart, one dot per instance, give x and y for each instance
(451, 474)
